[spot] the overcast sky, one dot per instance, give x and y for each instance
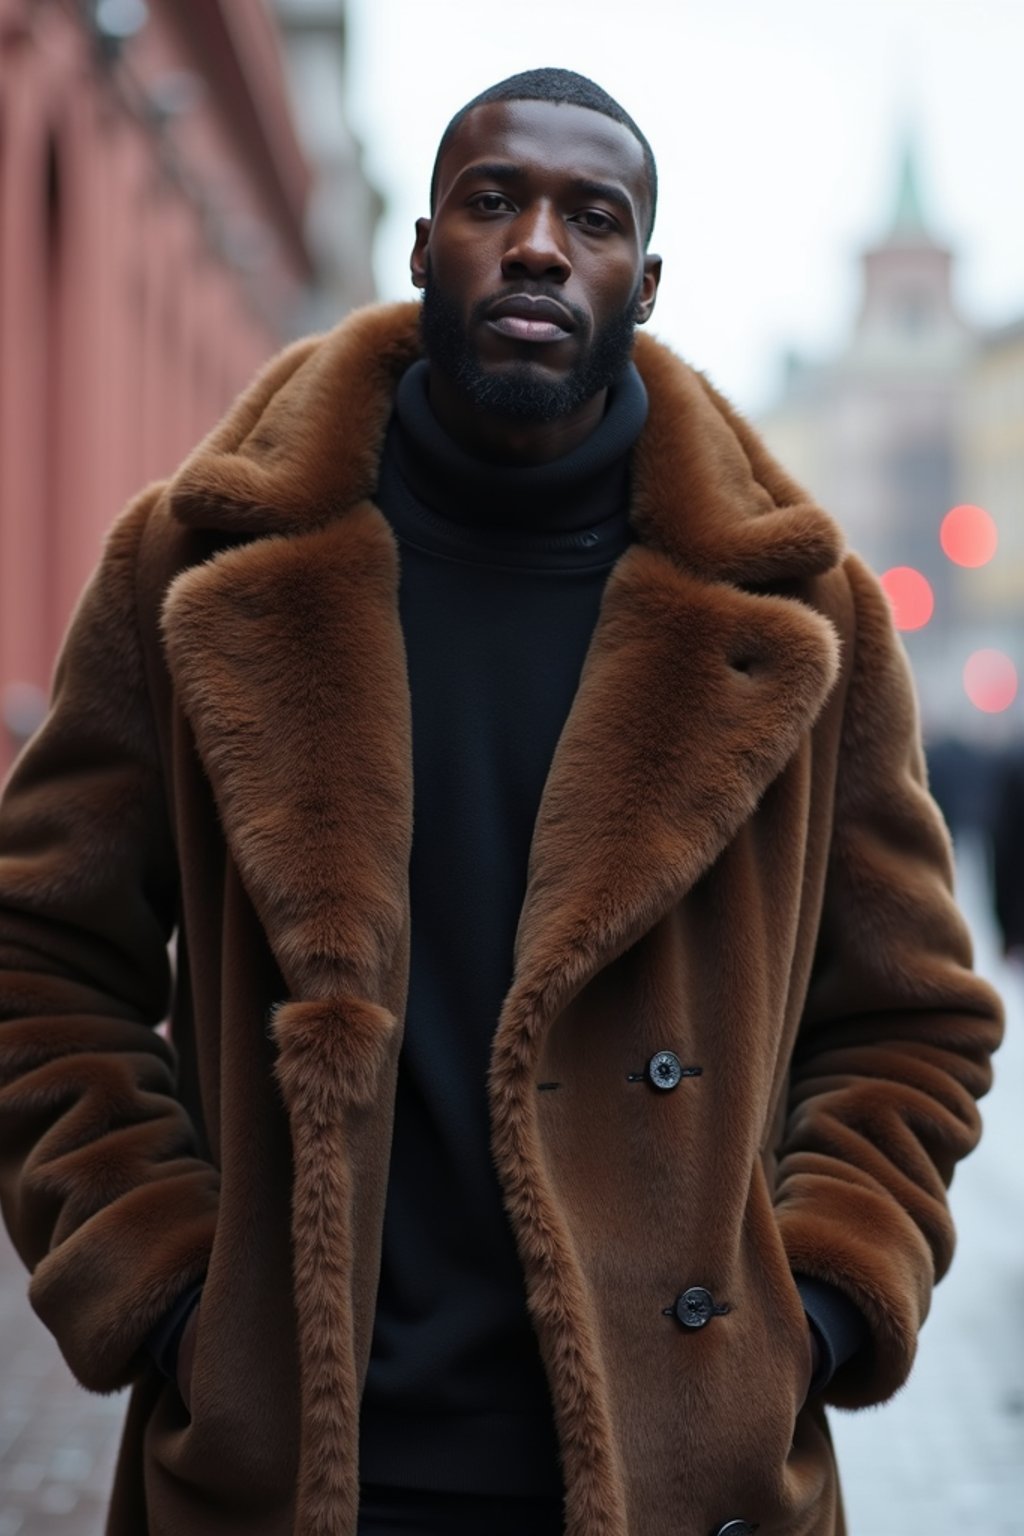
(776, 129)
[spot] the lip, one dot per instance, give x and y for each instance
(527, 319)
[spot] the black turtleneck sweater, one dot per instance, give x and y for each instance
(502, 572)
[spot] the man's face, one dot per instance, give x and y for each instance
(533, 264)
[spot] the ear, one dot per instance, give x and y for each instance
(418, 259)
(648, 289)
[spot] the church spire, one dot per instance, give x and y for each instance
(908, 224)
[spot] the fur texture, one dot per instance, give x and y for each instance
(332, 1058)
(735, 858)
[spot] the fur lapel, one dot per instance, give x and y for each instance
(693, 698)
(288, 658)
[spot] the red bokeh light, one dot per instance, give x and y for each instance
(968, 535)
(990, 681)
(911, 596)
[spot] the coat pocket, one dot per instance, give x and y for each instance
(236, 1445)
(784, 1472)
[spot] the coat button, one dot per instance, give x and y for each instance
(665, 1070)
(734, 1528)
(696, 1307)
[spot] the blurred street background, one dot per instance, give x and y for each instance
(186, 185)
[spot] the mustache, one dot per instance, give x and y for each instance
(533, 291)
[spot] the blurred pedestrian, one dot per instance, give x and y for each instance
(1008, 853)
(573, 1032)
(961, 778)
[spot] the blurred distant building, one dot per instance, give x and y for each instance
(991, 449)
(344, 207)
(918, 413)
(161, 228)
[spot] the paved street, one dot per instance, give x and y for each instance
(57, 1442)
(946, 1457)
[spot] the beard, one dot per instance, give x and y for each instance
(521, 391)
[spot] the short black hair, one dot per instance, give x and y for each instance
(558, 85)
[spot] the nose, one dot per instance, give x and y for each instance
(538, 246)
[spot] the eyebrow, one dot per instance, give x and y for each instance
(504, 173)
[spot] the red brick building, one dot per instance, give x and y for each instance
(152, 254)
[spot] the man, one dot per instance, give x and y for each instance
(573, 1034)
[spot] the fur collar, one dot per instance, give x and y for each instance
(302, 445)
(288, 657)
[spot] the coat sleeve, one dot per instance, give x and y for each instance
(895, 1042)
(101, 1188)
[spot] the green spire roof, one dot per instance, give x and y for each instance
(908, 222)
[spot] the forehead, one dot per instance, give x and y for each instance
(545, 135)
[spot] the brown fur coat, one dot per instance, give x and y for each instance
(735, 858)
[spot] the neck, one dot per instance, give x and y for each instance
(495, 438)
(573, 491)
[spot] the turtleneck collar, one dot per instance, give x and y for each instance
(570, 494)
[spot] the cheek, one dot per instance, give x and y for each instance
(466, 264)
(610, 303)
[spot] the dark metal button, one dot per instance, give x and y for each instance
(696, 1307)
(665, 1070)
(734, 1528)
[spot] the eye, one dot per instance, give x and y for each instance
(595, 220)
(490, 202)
